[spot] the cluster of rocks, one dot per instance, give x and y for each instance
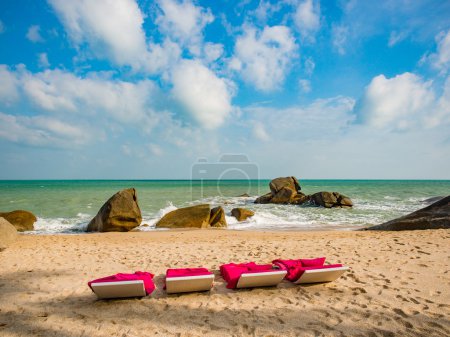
(121, 212)
(287, 191)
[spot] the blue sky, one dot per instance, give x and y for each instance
(125, 89)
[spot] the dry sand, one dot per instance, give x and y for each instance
(399, 285)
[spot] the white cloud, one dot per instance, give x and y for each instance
(184, 22)
(56, 90)
(309, 66)
(263, 57)
(307, 18)
(212, 51)
(34, 34)
(41, 131)
(304, 85)
(396, 37)
(8, 85)
(397, 103)
(43, 60)
(339, 37)
(441, 59)
(204, 95)
(111, 28)
(259, 131)
(162, 57)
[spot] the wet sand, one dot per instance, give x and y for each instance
(398, 285)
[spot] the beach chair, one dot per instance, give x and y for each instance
(120, 285)
(185, 280)
(250, 275)
(304, 271)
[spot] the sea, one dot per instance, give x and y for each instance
(67, 206)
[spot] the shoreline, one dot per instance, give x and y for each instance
(398, 284)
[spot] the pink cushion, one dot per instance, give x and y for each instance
(179, 272)
(231, 272)
(139, 275)
(312, 262)
(298, 272)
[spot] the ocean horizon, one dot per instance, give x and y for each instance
(67, 206)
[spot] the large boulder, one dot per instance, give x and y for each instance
(188, 217)
(278, 184)
(20, 219)
(8, 233)
(120, 213)
(283, 190)
(217, 217)
(242, 214)
(330, 199)
(435, 216)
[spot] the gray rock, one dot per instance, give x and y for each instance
(435, 216)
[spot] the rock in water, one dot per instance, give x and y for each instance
(264, 199)
(120, 213)
(217, 217)
(8, 233)
(189, 217)
(278, 184)
(432, 200)
(330, 199)
(242, 214)
(435, 216)
(22, 220)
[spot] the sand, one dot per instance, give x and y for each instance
(399, 285)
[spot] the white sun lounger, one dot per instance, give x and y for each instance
(185, 284)
(119, 289)
(321, 275)
(262, 279)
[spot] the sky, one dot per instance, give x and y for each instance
(126, 89)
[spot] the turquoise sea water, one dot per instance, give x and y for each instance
(67, 206)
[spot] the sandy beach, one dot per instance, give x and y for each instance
(398, 285)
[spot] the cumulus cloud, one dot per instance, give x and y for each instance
(57, 91)
(111, 28)
(205, 96)
(41, 131)
(34, 34)
(184, 22)
(8, 85)
(304, 85)
(307, 18)
(263, 57)
(397, 103)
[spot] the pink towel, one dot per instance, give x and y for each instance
(231, 272)
(139, 275)
(296, 268)
(187, 272)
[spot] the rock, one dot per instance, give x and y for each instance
(283, 196)
(120, 213)
(435, 216)
(217, 217)
(432, 200)
(188, 217)
(330, 199)
(264, 199)
(278, 184)
(8, 233)
(245, 195)
(300, 199)
(21, 220)
(242, 214)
